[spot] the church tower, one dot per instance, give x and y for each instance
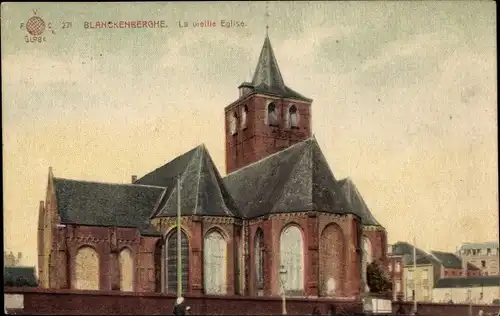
(267, 117)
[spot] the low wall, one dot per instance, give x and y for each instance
(38, 301)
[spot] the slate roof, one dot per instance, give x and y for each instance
(406, 250)
(19, 276)
(358, 204)
(295, 179)
(448, 259)
(267, 77)
(202, 189)
(468, 282)
(107, 204)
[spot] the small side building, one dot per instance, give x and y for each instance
(475, 290)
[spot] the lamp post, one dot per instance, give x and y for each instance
(283, 273)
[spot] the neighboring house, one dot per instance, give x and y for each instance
(452, 266)
(477, 290)
(419, 279)
(485, 256)
(395, 267)
(10, 260)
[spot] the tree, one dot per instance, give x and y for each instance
(377, 279)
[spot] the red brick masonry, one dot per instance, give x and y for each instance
(71, 302)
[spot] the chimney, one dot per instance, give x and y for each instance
(134, 178)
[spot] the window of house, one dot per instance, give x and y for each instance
(389, 266)
(398, 266)
(483, 264)
(398, 286)
(410, 274)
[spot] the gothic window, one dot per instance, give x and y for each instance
(244, 113)
(87, 269)
(367, 259)
(214, 263)
(272, 115)
(259, 259)
(233, 123)
(292, 259)
(171, 259)
(293, 117)
(332, 263)
(126, 270)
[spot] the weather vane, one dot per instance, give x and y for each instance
(267, 17)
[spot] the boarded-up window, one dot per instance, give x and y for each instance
(171, 259)
(292, 258)
(87, 269)
(259, 259)
(126, 270)
(332, 263)
(214, 264)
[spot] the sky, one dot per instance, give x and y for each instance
(405, 101)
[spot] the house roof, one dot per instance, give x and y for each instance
(267, 77)
(448, 259)
(19, 276)
(484, 245)
(406, 250)
(468, 282)
(358, 204)
(295, 179)
(202, 189)
(107, 204)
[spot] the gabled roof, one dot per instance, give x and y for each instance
(202, 189)
(448, 259)
(107, 204)
(267, 77)
(406, 250)
(358, 204)
(468, 282)
(296, 179)
(19, 276)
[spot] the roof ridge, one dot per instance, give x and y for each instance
(110, 183)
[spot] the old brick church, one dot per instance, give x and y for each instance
(279, 207)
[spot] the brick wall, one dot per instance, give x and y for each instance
(71, 302)
(39, 301)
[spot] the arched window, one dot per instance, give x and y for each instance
(171, 252)
(292, 259)
(259, 259)
(293, 117)
(214, 263)
(331, 256)
(126, 270)
(87, 270)
(366, 260)
(244, 113)
(272, 115)
(233, 123)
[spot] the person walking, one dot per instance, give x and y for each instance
(180, 307)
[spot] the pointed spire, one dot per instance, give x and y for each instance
(267, 71)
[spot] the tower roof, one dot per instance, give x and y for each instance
(267, 77)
